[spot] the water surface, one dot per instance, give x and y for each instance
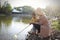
(10, 26)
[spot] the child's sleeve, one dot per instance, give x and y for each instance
(34, 21)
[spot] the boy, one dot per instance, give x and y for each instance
(35, 23)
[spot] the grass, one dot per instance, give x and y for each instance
(2, 15)
(55, 25)
(26, 20)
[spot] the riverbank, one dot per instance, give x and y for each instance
(2, 15)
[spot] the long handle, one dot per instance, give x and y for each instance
(18, 32)
(22, 30)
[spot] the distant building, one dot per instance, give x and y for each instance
(15, 11)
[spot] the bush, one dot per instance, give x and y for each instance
(58, 25)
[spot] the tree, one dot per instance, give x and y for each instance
(6, 8)
(54, 12)
(58, 26)
(0, 6)
(27, 9)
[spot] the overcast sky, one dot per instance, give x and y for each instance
(33, 3)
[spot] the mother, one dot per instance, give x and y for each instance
(43, 21)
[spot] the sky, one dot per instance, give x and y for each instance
(34, 3)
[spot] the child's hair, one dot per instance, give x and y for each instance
(34, 14)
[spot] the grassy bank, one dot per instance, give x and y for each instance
(56, 25)
(26, 19)
(2, 15)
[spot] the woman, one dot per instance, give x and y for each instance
(43, 21)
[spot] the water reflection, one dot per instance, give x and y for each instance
(10, 26)
(5, 20)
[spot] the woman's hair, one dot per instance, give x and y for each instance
(39, 11)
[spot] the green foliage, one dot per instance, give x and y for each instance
(6, 20)
(0, 7)
(52, 11)
(3, 9)
(26, 19)
(58, 24)
(54, 24)
(27, 9)
(6, 8)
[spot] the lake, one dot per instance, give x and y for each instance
(11, 28)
